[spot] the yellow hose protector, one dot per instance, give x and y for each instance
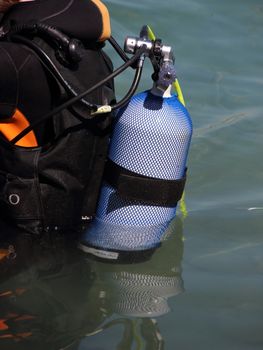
(180, 96)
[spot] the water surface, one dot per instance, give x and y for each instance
(204, 285)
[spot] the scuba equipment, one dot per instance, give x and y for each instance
(67, 49)
(136, 62)
(44, 187)
(146, 169)
(126, 181)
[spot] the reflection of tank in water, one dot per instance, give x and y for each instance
(142, 289)
(134, 294)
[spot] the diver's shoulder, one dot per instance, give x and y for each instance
(13, 54)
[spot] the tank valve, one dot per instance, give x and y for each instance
(154, 48)
(161, 56)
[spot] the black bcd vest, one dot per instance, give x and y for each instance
(56, 186)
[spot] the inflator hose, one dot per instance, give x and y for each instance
(72, 47)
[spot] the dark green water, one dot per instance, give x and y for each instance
(218, 47)
(203, 288)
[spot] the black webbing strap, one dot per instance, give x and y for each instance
(145, 189)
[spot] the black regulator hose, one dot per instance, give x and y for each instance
(72, 48)
(75, 99)
(118, 49)
(132, 89)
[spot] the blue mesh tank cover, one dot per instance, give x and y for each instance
(148, 150)
(147, 154)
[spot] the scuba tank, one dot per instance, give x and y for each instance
(146, 168)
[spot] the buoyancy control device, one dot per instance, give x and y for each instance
(145, 172)
(56, 185)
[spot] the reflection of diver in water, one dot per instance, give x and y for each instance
(53, 297)
(44, 286)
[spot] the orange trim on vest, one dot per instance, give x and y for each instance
(10, 128)
(106, 27)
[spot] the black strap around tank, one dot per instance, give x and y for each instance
(142, 188)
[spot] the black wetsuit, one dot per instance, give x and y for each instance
(57, 184)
